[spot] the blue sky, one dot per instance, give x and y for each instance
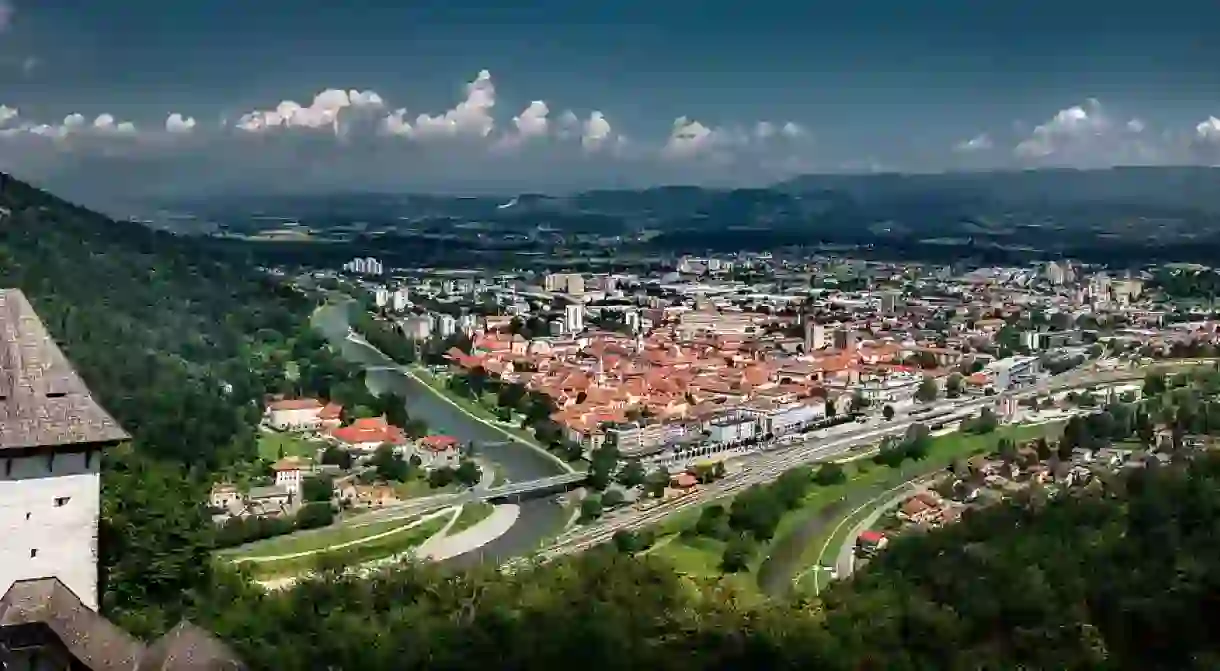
(680, 89)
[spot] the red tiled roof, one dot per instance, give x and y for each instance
(369, 430)
(438, 443)
(872, 537)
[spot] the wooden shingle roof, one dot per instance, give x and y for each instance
(43, 402)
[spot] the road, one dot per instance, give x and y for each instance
(822, 445)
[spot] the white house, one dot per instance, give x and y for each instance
(438, 451)
(289, 473)
(52, 435)
(295, 414)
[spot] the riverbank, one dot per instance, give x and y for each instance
(512, 460)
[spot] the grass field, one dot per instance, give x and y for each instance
(417, 486)
(313, 540)
(472, 514)
(270, 444)
(860, 488)
(802, 532)
(381, 548)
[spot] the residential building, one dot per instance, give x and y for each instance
(381, 297)
(732, 429)
(566, 283)
(815, 336)
(446, 325)
(301, 414)
(574, 318)
(400, 299)
(845, 339)
(52, 435)
(367, 433)
(438, 451)
(416, 328)
(289, 473)
(635, 439)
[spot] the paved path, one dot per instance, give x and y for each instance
(845, 564)
(442, 546)
(347, 544)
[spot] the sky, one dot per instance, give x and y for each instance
(191, 98)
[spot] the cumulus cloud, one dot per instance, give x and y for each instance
(531, 124)
(595, 132)
(8, 114)
(471, 117)
(1088, 136)
(980, 142)
(1208, 131)
(177, 123)
(323, 112)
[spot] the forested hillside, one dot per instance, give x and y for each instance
(161, 331)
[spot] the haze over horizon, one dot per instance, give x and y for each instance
(149, 99)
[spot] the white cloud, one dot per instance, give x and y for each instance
(1208, 131)
(323, 112)
(1068, 126)
(792, 130)
(8, 114)
(177, 124)
(6, 14)
(980, 142)
(1136, 125)
(471, 117)
(595, 131)
(106, 123)
(532, 123)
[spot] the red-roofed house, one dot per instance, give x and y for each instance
(438, 451)
(367, 433)
(869, 542)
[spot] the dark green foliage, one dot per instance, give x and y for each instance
(314, 515)
(317, 488)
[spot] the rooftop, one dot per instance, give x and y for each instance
(43, 402)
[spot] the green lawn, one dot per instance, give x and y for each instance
(802, 532)
(270, 444)
(472, 514)
(313, 540)
(417, 486)
(382, 548)
(861, 487)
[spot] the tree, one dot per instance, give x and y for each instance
(830, 473)
(927, 391)
(317, 488)
(888, 412)
(713, 522)
(334, 455)
(1154, 384)
(859, 402)
(613, 498)
(314, 515)
(468, 473)
(590, 508)
(986, 422)
(830, 409)
(389, 464)
(737, 554)
(632, 474)
(953, 385)
(602, 466)
(656, 483)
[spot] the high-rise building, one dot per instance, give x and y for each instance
(52, 435)
(446, 325)
(845, 339)
(381, 297)
(574, 318)
(889, 302)
(632, 319)
(815, 336)
(1055, 274)
(400, 300)
(567, 283)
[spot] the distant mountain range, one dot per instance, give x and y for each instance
(1152, 189)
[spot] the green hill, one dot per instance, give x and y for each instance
(168, 336)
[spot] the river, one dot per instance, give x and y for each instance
(539, 519)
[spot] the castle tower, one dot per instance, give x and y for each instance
(52, 435)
